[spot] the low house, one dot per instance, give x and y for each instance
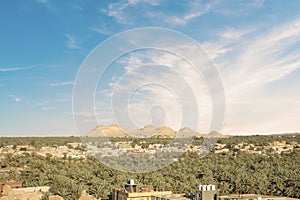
(32, 193)
(12, 184)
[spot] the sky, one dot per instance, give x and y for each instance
(254, 44)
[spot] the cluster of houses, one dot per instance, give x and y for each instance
(108, 149)
(68, 151)
(275, 147)
(118, 148)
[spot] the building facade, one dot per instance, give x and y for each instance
(207, 192)
(12, 184)
(132, 192)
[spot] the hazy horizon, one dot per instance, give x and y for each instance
(78, 135)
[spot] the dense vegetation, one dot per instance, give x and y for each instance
(38, 141)
(59, 141)
(261, 140)
(244, 173)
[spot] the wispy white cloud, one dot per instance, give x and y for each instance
(171, 87)
(256, 3)
(77, 7)
(42, 1)
(249, 64)
(237, 9)
(48, 108)
(151, 2)
(116, 10)
(122, 12)
(60, 84)
(48, 4)
(234, 34)
(102, 29)
(119, 10)
(15, 98)
(71, 42)
(268, 57)
(249, 60)
(226, 41)
(12, 69)
(44, 107)
(195, 9)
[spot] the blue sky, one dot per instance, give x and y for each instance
(255, 45)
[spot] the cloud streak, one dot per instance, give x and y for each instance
(122, 11)
(12, 69)
(154, 79)
(71, 42)
(152, 11)
(249, 60)
(15, 98)
(61, 84)
(250, 63)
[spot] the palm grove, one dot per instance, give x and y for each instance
(242, 173)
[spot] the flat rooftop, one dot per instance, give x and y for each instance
(171, 197)
(253, 196)
(141, 192)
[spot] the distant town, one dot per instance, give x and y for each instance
(93, 143)
(60, 168)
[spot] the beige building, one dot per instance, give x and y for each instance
(32, 193)
(170, 197)
(84, 196)
(207, 192)
(56, 197)
(74, 144)
(132, 192)
(250, 197)
(277, 144)
(12, 184)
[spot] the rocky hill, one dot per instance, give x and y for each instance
(186, 132)
(145, 132)
(109, 131)
(148, 131)
(164, 132)
(215, 134)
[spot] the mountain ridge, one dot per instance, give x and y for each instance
(148, 131)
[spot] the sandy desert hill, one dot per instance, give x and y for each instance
(148, 131)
